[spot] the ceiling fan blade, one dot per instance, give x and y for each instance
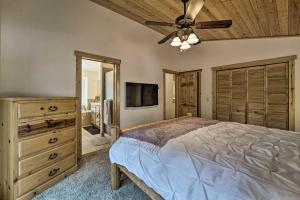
(193, 9)
(154, 23)
(214, 24)
(168, 37)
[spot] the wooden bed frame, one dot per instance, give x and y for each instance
(116, 169)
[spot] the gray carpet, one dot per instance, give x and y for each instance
(92, 181)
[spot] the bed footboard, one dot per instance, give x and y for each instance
(116, 169)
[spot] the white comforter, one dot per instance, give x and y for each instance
(223, 161)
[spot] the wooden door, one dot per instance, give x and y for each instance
(256, 96)
(277, 96)
(238, 95)
(223, 94)
(188, 93)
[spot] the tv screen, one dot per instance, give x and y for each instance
(141, 94)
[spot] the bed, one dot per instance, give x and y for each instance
(195, 158)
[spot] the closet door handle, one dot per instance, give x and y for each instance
(52, 140)
(52, 108)
(53, 172)
(52, 156)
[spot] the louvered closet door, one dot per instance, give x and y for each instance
(188, 93)
(223, 103)
(277, 96)
(256, 96)
(238, 95)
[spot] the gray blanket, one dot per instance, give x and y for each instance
(160, 134)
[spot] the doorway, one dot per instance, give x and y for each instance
(98, 95)
(170, 94)
(182, 93)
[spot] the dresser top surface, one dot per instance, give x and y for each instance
(35, 98)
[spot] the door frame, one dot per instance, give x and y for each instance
(199, 89)
(167, 71)
(116, 103)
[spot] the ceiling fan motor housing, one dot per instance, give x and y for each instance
(182, 22)
(184, 33)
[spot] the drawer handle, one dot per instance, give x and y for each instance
(52, 140)
(52, 108)
(28, 128)
(51, 123)
(52, 156)
(53, 172)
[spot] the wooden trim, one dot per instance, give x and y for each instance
(265, 97)
(194, 70)
(256, 63)
(116, 106)
(292, 94)
(95, 57)
(177, 95)
(214, 94)
(78, 106)
(117, 74)
(168, 71)
(199, 93)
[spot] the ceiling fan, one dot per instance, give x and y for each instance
(184, 37)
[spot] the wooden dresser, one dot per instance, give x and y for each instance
(38, 144)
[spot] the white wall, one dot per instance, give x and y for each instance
(109, 85)
(38, 42)
(170, 103)
(210, 54)
(94, 86)
(38, 38)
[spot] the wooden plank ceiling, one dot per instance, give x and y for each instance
(251, 18)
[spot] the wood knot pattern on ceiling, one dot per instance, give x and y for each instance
(251, 18)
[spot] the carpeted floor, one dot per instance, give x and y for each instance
(92, 181)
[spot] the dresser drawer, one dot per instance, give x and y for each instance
(51, 139)
(26, 166)
(40, 108)
(33, 126)
(42, 176)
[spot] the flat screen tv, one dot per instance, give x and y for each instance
(141, 94)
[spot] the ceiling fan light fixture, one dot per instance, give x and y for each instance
(185, 46)
(192, 39)
(176, 42)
